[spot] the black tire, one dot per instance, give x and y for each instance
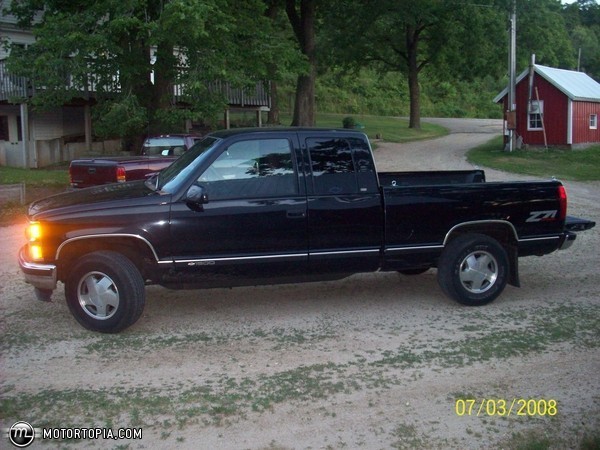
(473, 269)
(105, 292)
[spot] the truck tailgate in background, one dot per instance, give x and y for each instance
(87, 173)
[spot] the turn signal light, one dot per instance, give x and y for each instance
(35, 252)
(33, 231)
(121, 176)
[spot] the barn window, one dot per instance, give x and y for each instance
(536, 109)
(594, 121)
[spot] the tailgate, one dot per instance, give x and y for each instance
(577, 224)
(92, 173)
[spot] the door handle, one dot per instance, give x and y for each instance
(296, 215)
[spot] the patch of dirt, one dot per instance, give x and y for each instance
(373, 361)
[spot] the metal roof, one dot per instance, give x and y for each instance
(575, 85)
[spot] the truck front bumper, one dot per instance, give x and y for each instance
(42, 276)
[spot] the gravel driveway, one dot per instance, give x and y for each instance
(373, 361)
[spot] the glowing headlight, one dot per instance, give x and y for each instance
(34, 234)
(33, 231)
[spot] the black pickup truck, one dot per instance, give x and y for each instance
(265, 206)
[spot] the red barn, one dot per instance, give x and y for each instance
(557, 107)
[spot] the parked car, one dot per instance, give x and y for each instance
(157, 153)
(265, 206)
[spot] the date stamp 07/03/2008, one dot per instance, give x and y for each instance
(501, 407)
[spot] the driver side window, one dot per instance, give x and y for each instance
(250, 169)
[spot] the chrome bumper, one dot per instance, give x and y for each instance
(42, 276)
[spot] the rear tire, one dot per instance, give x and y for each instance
(105, 292)
(473, 269)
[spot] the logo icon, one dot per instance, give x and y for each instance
(21, 434)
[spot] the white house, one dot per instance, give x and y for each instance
(34, 139)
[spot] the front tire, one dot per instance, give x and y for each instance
(105, 292)
(473, 269)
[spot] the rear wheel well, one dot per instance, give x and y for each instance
(502, 232)
(133, 249)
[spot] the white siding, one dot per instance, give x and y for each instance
(47, 125)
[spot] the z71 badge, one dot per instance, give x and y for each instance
(542, 216)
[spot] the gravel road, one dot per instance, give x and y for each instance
(374, 361)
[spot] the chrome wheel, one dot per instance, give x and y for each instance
(98, 295)
(105, 291)
(473, 269)
(478, 272)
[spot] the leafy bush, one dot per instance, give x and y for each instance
(348, 122)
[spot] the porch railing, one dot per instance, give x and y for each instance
(13, 88)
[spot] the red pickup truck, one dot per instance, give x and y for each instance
(157, 153)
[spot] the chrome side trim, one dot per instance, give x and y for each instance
(209, 261)
(94, 236)
(546, 238)
(417, 247)
(344, 252)
(236, 258)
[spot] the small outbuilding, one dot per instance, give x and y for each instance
(554, 107)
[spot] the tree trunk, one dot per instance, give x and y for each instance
(412, 41)
(304, 106)
(162, 93)
(273, 115)
(303, 25)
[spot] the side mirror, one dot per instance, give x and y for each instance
(195, 197)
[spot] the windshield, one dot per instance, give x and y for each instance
(170, 178)
(164, 145)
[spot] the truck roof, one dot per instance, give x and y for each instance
(235, 131)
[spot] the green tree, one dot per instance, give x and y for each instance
(133, 52)
(407, 37)
(541, 30)
(583, 24)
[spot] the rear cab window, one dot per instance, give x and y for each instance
(164, 146)
(341, 166)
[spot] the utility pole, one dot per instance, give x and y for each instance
(512, 69)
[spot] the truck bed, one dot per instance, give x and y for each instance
(393, 179)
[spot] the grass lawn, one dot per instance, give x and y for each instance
(39, 183)
(576, 165)
(55, 176)
(391, 129)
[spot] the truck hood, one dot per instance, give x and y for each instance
(93, 198)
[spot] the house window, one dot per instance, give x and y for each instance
(594, 121)
(3, 128)
(536, 110)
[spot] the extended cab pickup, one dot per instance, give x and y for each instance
(263, 206)
(157, 153)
